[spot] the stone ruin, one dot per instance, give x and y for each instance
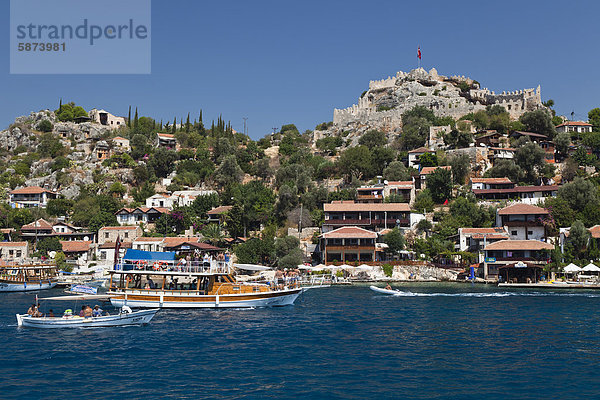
(382, 105)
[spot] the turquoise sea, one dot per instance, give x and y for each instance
(437, 341)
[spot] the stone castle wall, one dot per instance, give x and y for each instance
(386, 100)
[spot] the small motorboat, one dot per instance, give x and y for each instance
(126, 316)
(384, 291)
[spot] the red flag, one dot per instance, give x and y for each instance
(446, 202)
(419, 52)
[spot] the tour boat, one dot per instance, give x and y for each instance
(22, 278)
(201, 284)
(125, 317)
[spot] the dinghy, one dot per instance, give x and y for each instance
(384, 291)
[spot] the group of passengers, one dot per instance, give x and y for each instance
(86, 312)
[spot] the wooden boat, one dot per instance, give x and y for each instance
(195, 285)
(384, 291)
(22, 278)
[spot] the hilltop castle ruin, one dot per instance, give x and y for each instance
(386, 100)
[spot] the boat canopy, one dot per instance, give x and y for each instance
(141, 255)
(251, 267)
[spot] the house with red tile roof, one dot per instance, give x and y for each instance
(523, 194)
(140, 215)
(506, 252)
(413, 156)
(14, 252)
(77, 252)
(574, 126)
(31, 196)
(523, 221)
(348, 244)
(371, 216)
(475, 239)
(166, 140)
(491, 183)
(421, 183)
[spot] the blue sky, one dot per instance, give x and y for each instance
(278, 62)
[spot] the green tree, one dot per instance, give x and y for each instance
(439, 183)
(562, 143)
(228, 172)
(579, 237)
(428, 160)
(142, 193)
(102, 219)
(423, 201)
(506, 168)
(394, 240)
(373, 138)
(69, 111)
(162, 162)
(288, 252)
(560, 211)
(256, 251)
(45, 126)
(532, 159)
(59, 207)
(594, 119)
(205, 203)
(539, 121)
(355, 162)
(50, 146)
(461, 168)
(396, 171)
(578, 194)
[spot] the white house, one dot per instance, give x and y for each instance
(31, 196)
(105, 118)
(523, 221)
(121, 143)
(574, 126)
(159, 200)
(413, 156)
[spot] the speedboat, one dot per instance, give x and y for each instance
(384, 291)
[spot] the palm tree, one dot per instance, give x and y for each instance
(213, 233)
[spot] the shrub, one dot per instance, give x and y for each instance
(388, 269)
(45, 126)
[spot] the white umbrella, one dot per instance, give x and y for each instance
(571, 269)
(591, 268)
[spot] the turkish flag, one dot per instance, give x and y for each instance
(419, 52)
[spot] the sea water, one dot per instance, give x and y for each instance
(433, 341)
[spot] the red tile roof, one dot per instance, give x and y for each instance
(111, 245)
(13, 244)
(219, 210)
(176, 241)
(574, 123)
(429, 170)
(535, 135)
(521, 208)
(519, 245)
(166, 135)
(491, 180)
(118, 228)
(518, 189)
(31, 190)
(119, 138)
(350, 232)
(356, 207)
(75, 246)
(595, 231)
(149, 239)
(473, 231)
(421, 150)
(39, 224)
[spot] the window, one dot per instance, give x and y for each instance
(11, 252)
(514, 233)
(530, 232)
(126, 235)
(103, 255)
(19, 253)
(106, 234)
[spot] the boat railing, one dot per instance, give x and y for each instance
(316, 280)
(208, 266)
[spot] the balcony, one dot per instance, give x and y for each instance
(522, 223)
(391, 222)
(369, 248)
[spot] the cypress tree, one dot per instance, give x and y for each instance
(174, 125)
(200, 119)
(187, 123)
(60, 106)
(129, 118)
(135, 121)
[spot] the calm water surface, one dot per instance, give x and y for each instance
(436, 341)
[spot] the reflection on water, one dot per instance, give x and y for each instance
(433, 341)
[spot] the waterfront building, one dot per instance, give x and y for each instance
(504, 252)
(31, 196)
(523, 221)
(371, 216)
(348, 244)
(77, 252)
(522, 194)
(474, 240)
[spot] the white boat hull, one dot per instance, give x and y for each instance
(135, 318)
(25, 287)
(384, 291)
(269, 299)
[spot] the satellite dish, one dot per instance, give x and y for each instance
(385, 182)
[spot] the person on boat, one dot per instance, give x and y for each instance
(32, 310)
(97, 312)
(88, 311)
(50, 313)
(388, 287)
(82, 312)
(151, 283)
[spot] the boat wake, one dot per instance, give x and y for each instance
(498, 294)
